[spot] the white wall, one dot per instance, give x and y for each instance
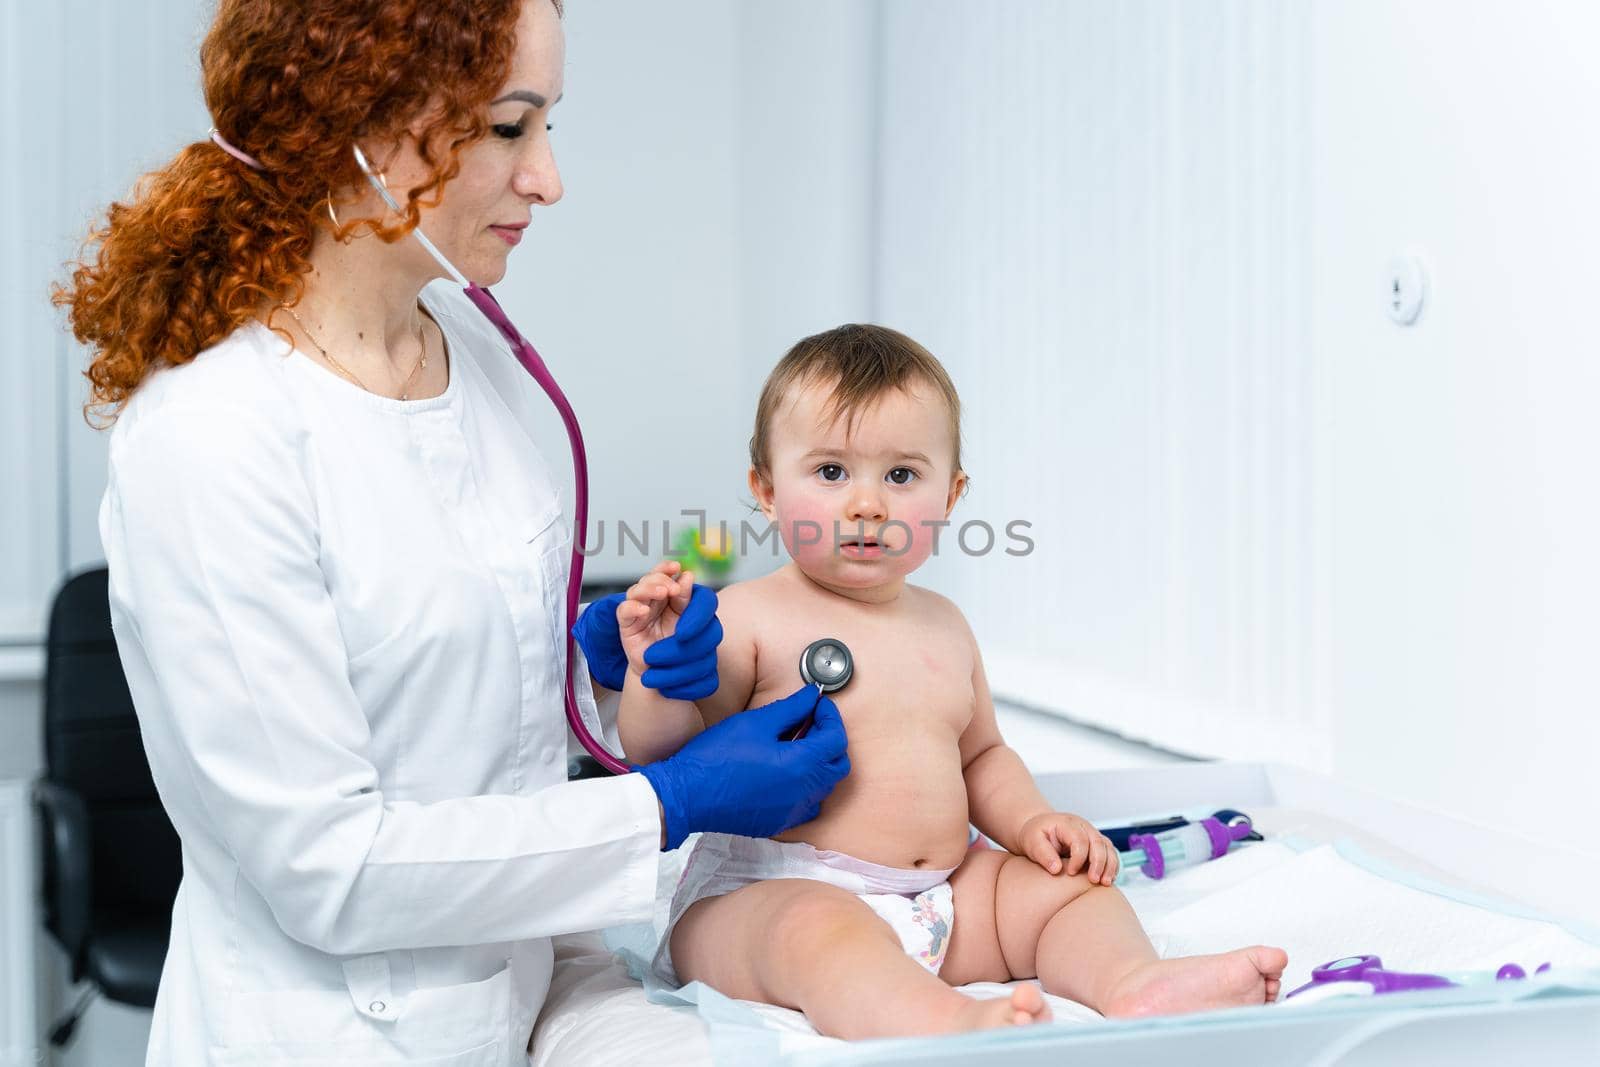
(1461, 452)
(716, 211)
(808, 108)
(630, 287)
(84, 113)
(1149, 239)
(1097, 215)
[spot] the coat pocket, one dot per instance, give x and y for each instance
(484, 1056)
(463, 1025)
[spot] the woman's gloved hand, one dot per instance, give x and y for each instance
(738, 777)
(683, 666)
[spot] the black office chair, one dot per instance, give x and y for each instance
(111, 858)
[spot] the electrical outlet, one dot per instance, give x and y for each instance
(1405, 289)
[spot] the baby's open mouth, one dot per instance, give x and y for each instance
(863, 546)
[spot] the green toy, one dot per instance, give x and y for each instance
(710, 558)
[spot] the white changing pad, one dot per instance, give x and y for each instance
(1313, 890)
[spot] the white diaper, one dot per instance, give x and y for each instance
(916, 904)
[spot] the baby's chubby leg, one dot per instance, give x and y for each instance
(1016, 920)
(816, 948)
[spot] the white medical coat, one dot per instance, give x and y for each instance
(342, 622)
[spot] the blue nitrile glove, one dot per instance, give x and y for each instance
(598, 634)
(739, 778)
(683, 666)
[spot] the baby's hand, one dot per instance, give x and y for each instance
(651, 610)
(1046, 838)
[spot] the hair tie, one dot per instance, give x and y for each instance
(247, 160)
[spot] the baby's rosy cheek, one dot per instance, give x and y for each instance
(922, 530)
(806, 527)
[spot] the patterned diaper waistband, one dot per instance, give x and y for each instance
(772, 858)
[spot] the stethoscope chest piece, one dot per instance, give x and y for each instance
(826, 664)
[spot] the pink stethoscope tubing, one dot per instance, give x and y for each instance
(529, 357)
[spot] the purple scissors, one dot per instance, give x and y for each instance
(1366, 976)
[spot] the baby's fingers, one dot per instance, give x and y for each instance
(631, 613)
(1077, 850)
(1097, 859)
(1113, 865)
(680, 592)
(652, 587)
(1043, 850)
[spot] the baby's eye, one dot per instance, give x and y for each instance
(902, 476)
(510, 131)
(831, 472)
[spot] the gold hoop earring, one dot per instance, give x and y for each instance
(334, 218)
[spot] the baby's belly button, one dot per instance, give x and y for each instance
(925, 842)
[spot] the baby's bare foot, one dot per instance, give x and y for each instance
(1025, 1005)
(1194, 983)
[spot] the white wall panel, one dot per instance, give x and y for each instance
(30, 355)
(807, 123)
(85, 114)
(1462, 450)
(1096, 215)
(630, 286)
(18, 1041)
(1148, 237)
(126, 107)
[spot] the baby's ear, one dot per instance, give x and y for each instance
(761, 489)
(958, 488)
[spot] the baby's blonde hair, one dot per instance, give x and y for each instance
(863, 362)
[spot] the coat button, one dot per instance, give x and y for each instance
(548, 754)
(377, 1007)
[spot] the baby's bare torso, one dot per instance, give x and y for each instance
(904, 803)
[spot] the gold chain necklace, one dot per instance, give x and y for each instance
(405, 386)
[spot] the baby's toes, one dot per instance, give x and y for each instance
(1269, 961)
(1027, 1005)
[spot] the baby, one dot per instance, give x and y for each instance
(865, 917)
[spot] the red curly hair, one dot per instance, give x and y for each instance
(206, 241)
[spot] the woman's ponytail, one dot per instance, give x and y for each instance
(198, 249)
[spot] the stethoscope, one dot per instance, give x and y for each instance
(825, 663)
(531, 361)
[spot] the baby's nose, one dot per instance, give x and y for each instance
(866, 507)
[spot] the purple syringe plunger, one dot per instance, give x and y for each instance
(1207, 839)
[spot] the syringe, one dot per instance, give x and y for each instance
(1156, 854)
